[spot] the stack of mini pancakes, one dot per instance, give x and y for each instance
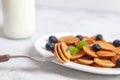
(106, 57)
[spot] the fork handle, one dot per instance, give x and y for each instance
(7, 57)
(4, 57)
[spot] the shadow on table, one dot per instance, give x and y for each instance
(53, 68)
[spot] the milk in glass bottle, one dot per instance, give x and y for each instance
(19, 18)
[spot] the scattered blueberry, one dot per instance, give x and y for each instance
(99, 37)
(116, 43)
(52, 39)
(118, 62)
(50, 46)
(80, 37)
(96, 47)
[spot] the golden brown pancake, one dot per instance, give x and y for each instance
(86, 62)
(61, 54)
(89, 51)
(79, 54)
(104, 62)
(115, 58)
(106, 46)
(105, 54)
(65, 50)
(57, 53)
(69, 39)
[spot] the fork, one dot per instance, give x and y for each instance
(7, 57)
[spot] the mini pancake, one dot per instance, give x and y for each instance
(106, 46)
(85, 38)
(96, 65)
(78, 54)
(89, 51)
(90, 41)
(116, 50)
(57, 54)
(61, 54)
(76, 61)
(97, 41)
(115, 58)
(69, 39)
(93, 37)
(104, 62)
(86, 62)
(86, 57)
(64, 48)
(110, 43)
(105, 54)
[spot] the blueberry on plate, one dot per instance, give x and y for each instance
(99, 37)
(96, 47)
(116, 43)
(50, 46)
(53, 39)
(80, 37)
(118, 62)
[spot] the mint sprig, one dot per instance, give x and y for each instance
(73, 50)
(81, 44)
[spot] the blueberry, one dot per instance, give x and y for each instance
(116, 43)
(96, 47)
(118, 62)
(50, 46)
(99, 37)
(52, 39)
(80, 37)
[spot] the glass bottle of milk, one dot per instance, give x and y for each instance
(19, 18)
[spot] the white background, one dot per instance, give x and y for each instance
(104, 5)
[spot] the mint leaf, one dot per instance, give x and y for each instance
(73, 50)
(81, 44)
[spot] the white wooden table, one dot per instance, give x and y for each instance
(52, 20)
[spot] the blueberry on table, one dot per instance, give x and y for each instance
(99, 37)
(53, 39)
(50, 46)
(118, 62)
(116, 43)
(96, 47)
(80, 37)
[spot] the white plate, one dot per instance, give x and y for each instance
(40, 47)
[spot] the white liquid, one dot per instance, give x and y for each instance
(19, 18)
